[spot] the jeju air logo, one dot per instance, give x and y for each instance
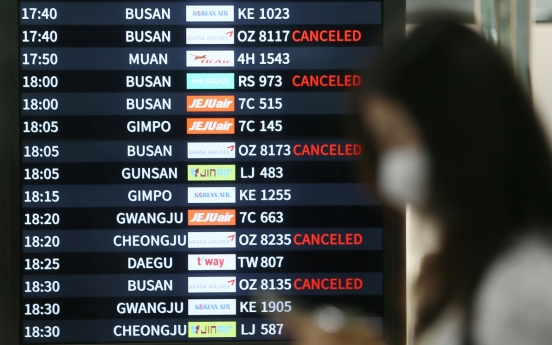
(210, 103)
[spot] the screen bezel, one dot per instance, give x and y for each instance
(394, 19)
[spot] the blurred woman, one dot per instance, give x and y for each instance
(453, 134)
(449, 131)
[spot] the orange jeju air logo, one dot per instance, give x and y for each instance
(211, 217)
(210, 103)
(210, 126)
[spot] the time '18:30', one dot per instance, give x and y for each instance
(41, 332)
(42, 309)
(45, 286)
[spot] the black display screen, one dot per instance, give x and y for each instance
(180, 159)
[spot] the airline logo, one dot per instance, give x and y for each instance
(212, 329)
(209, 13)
(211, 150)
(211, 284)
(210, 81)
(203, 58)
(211, 217)
(210, 36)
(210, 126)
(211, 195)
(211, 172)
(211, 307)
(212, 240)
(212, 262)
(210, 103)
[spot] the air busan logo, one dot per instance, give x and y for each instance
(211, 284)
(209, 13)
(211, 195)
(204, 58)
(211, 172)
(211, 150)
(210, 103)
(212, 239)
(211, 307)
(212, 262)
(210, 36)
(212, 329)
(211, 217)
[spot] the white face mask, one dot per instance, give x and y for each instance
(404, 176)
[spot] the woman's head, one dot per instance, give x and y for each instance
(448, 92)
(488, 168)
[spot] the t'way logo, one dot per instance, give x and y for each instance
(211, 262)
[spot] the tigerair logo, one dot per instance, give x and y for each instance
(210, 126)
(210, 103)
(215, 58)
(211, 217)
(211, 172)
(212, 329)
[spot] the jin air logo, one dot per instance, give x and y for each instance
(211, 172)
(212, 329)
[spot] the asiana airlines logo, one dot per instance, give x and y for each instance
(210, 36)
(226, 239)
(211, 150)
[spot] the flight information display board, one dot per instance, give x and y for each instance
(180, 160)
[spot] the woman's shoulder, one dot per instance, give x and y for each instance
(514, 302)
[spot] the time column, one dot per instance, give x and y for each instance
(39, 60)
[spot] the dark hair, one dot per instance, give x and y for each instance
(491, 164)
